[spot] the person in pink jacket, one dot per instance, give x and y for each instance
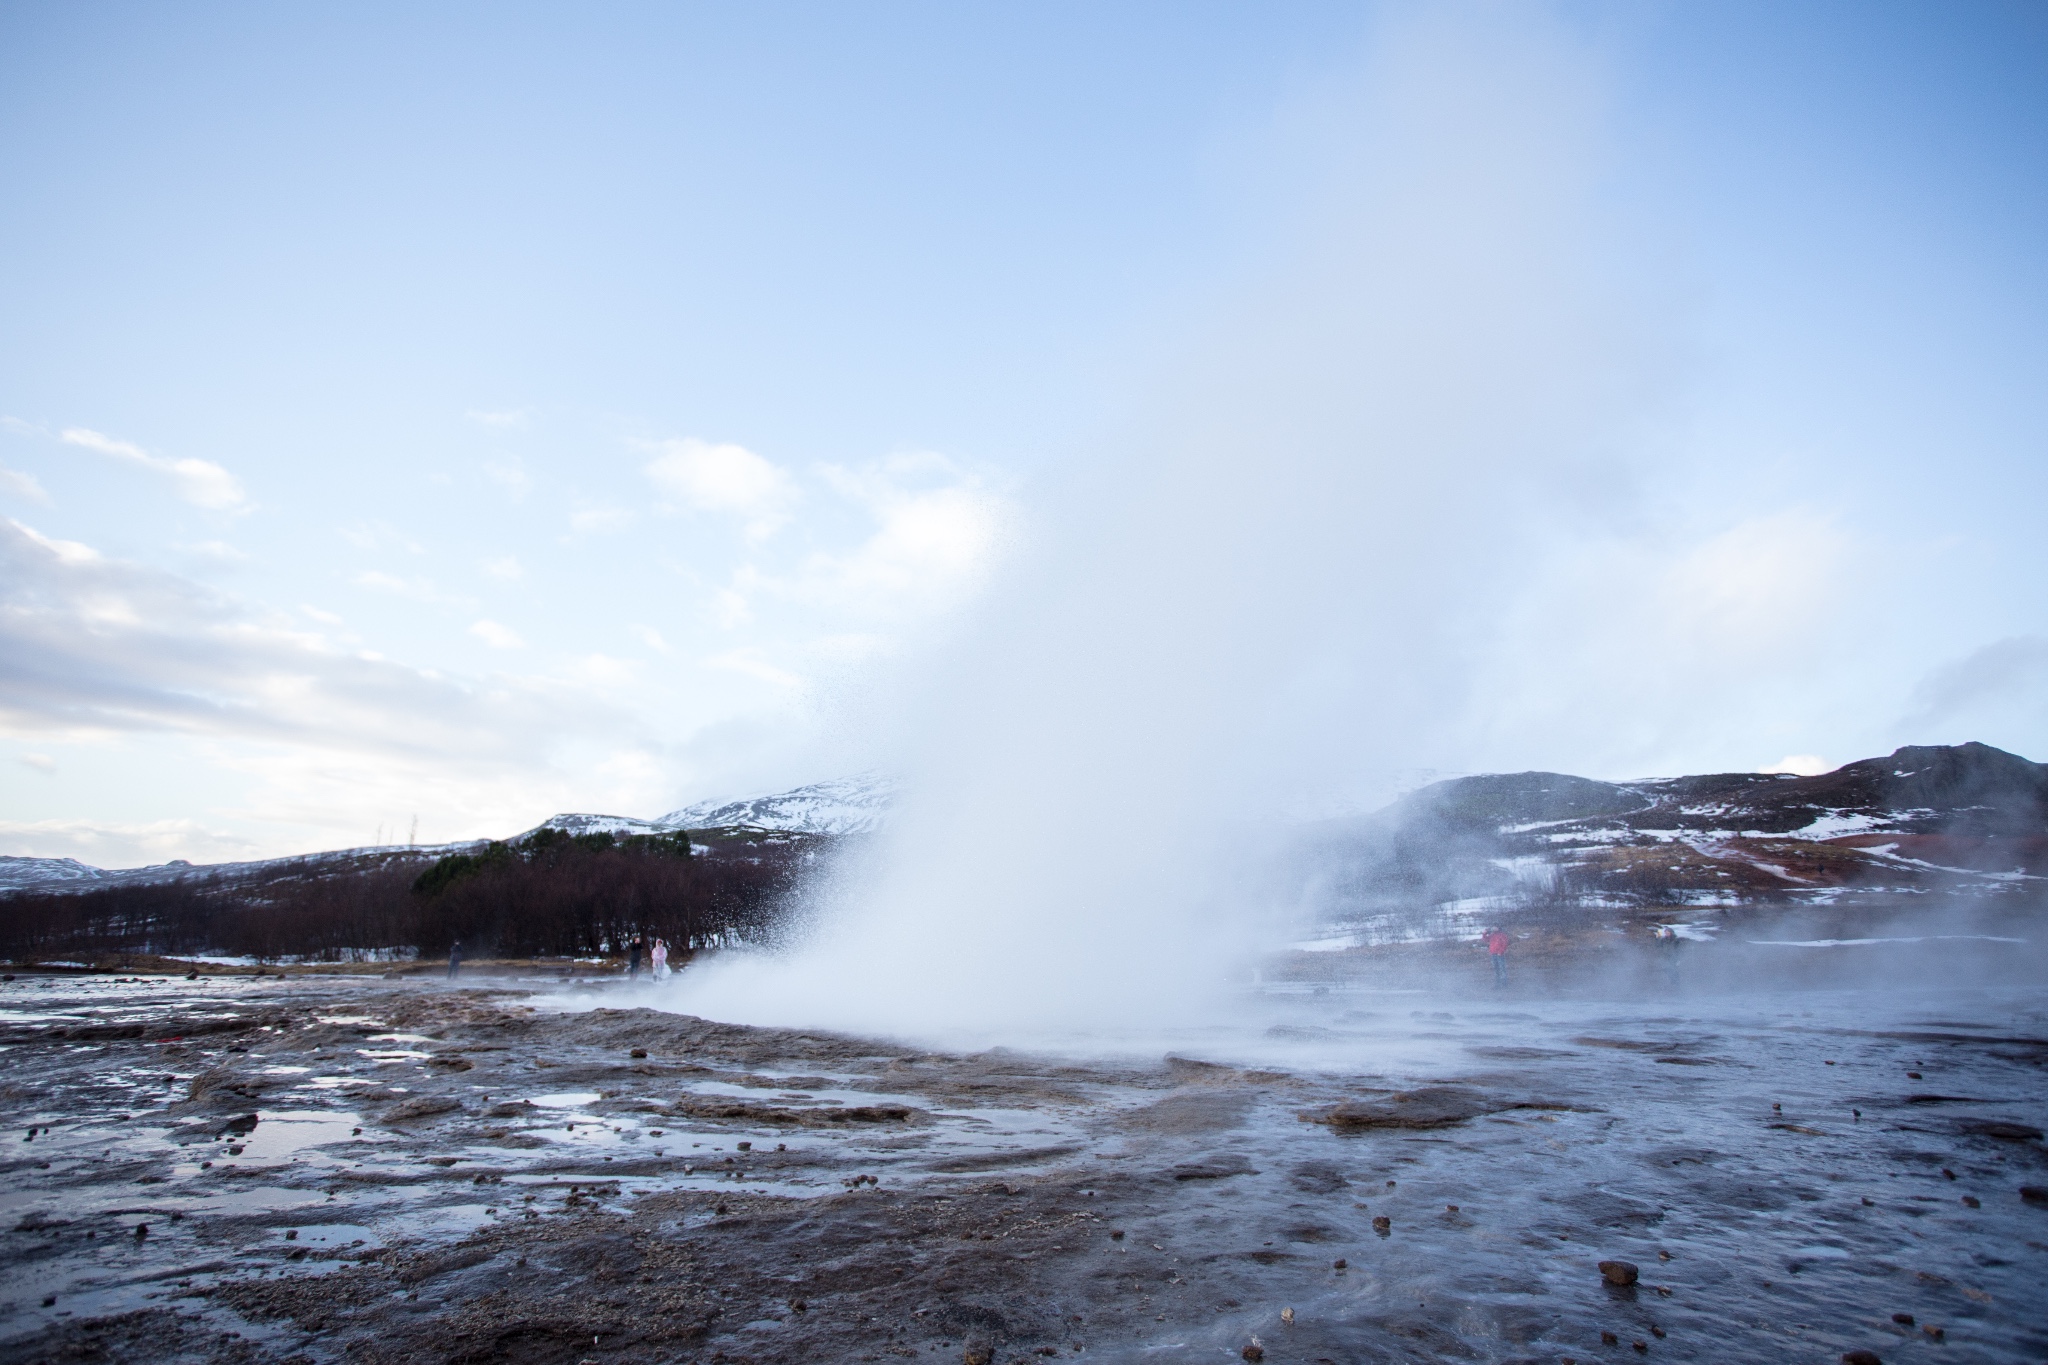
(1497, 949)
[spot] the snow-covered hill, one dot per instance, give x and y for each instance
(849, 805)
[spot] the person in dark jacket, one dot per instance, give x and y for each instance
(454, 958)
(633, 952)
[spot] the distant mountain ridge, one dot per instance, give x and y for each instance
(1958, 818)
(851, 805)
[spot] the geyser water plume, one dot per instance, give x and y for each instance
(1281, 582)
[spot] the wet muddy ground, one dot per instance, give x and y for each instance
(353, 1169)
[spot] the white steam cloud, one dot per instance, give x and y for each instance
(1288, 579)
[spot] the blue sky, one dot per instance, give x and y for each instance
(474, 413)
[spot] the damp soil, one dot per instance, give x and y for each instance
(356, 1169)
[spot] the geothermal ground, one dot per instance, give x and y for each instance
(330, 1168)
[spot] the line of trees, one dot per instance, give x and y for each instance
(552, 894)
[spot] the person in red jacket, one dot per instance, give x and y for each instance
(1497, 949)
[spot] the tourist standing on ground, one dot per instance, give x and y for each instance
(1497, 949)
(660, 954)
(454, 958)
(633, 952)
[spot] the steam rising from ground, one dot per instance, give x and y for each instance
(1286, 577)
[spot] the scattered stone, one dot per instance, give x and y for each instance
(1287, 1316)
(141, 1231)
(291, 1234)
(2034, 1194)
(1609, 1339)
(1450, 1208)
(420, 1107)
(1430, 1106)
(639, 1054)
(1663, 1255)
(1116, 1234)
(1656, 1331)
(1912, 1075)
(1949, 1173)
(1253, 1351)
(49, 1300)
(1618, 1272)
(1903, 1319)
(745, 1146)
(1935, 1333)
(799, 1306)
(1970, 1201)
(1382, 1225)
(978, 1353)
(1860, 1358)
(1338, 1264)
(1642, 1347)
(1998, 1128)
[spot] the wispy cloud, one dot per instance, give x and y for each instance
(217, 550)
(509, 473)
(42, 763)
(497, 636)
(21, 485)
(504, 567)
(514, 417)
(725, 478)
(649, 636)
(418, 589)
(594, 519)
(199, 482)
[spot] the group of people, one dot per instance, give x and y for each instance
(656, 954)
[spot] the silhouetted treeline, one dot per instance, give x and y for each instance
(550, 895)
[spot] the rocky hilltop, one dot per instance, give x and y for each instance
(1966, 819)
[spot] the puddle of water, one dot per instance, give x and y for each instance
(568, 1099)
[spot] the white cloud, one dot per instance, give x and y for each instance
(1800, 765)
(497, 636)
(594, 519)
(42, 763)
(937, 532)
(218, 550)
(22, 485)
(325, 618)
(380, 535)
(505, 567)
(515, 417)
(510, 474)
(651, 637)
(200, 482)
(418, 589)
(753, 663)
(726, 478)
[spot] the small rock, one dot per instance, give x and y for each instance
(1338, 1264)
(141, 1231)
(978, 1353)
(1903, 1319)
(1949, 1173)
(1970, 1201)
(639, 1054)
(1935, 1333)
(1287, 1316)
(2034, 1194)
(291, 1234)
(1642, 1347)
(799, 1306)
(1860, 1358)
(1663, 1255)
(1618, 1272)
(1609, 1339)
(1657, 1332)
(745, 1146)
(1450, 1208)
(1253, 1352)
(1382, 1225)
(1116, 1234)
